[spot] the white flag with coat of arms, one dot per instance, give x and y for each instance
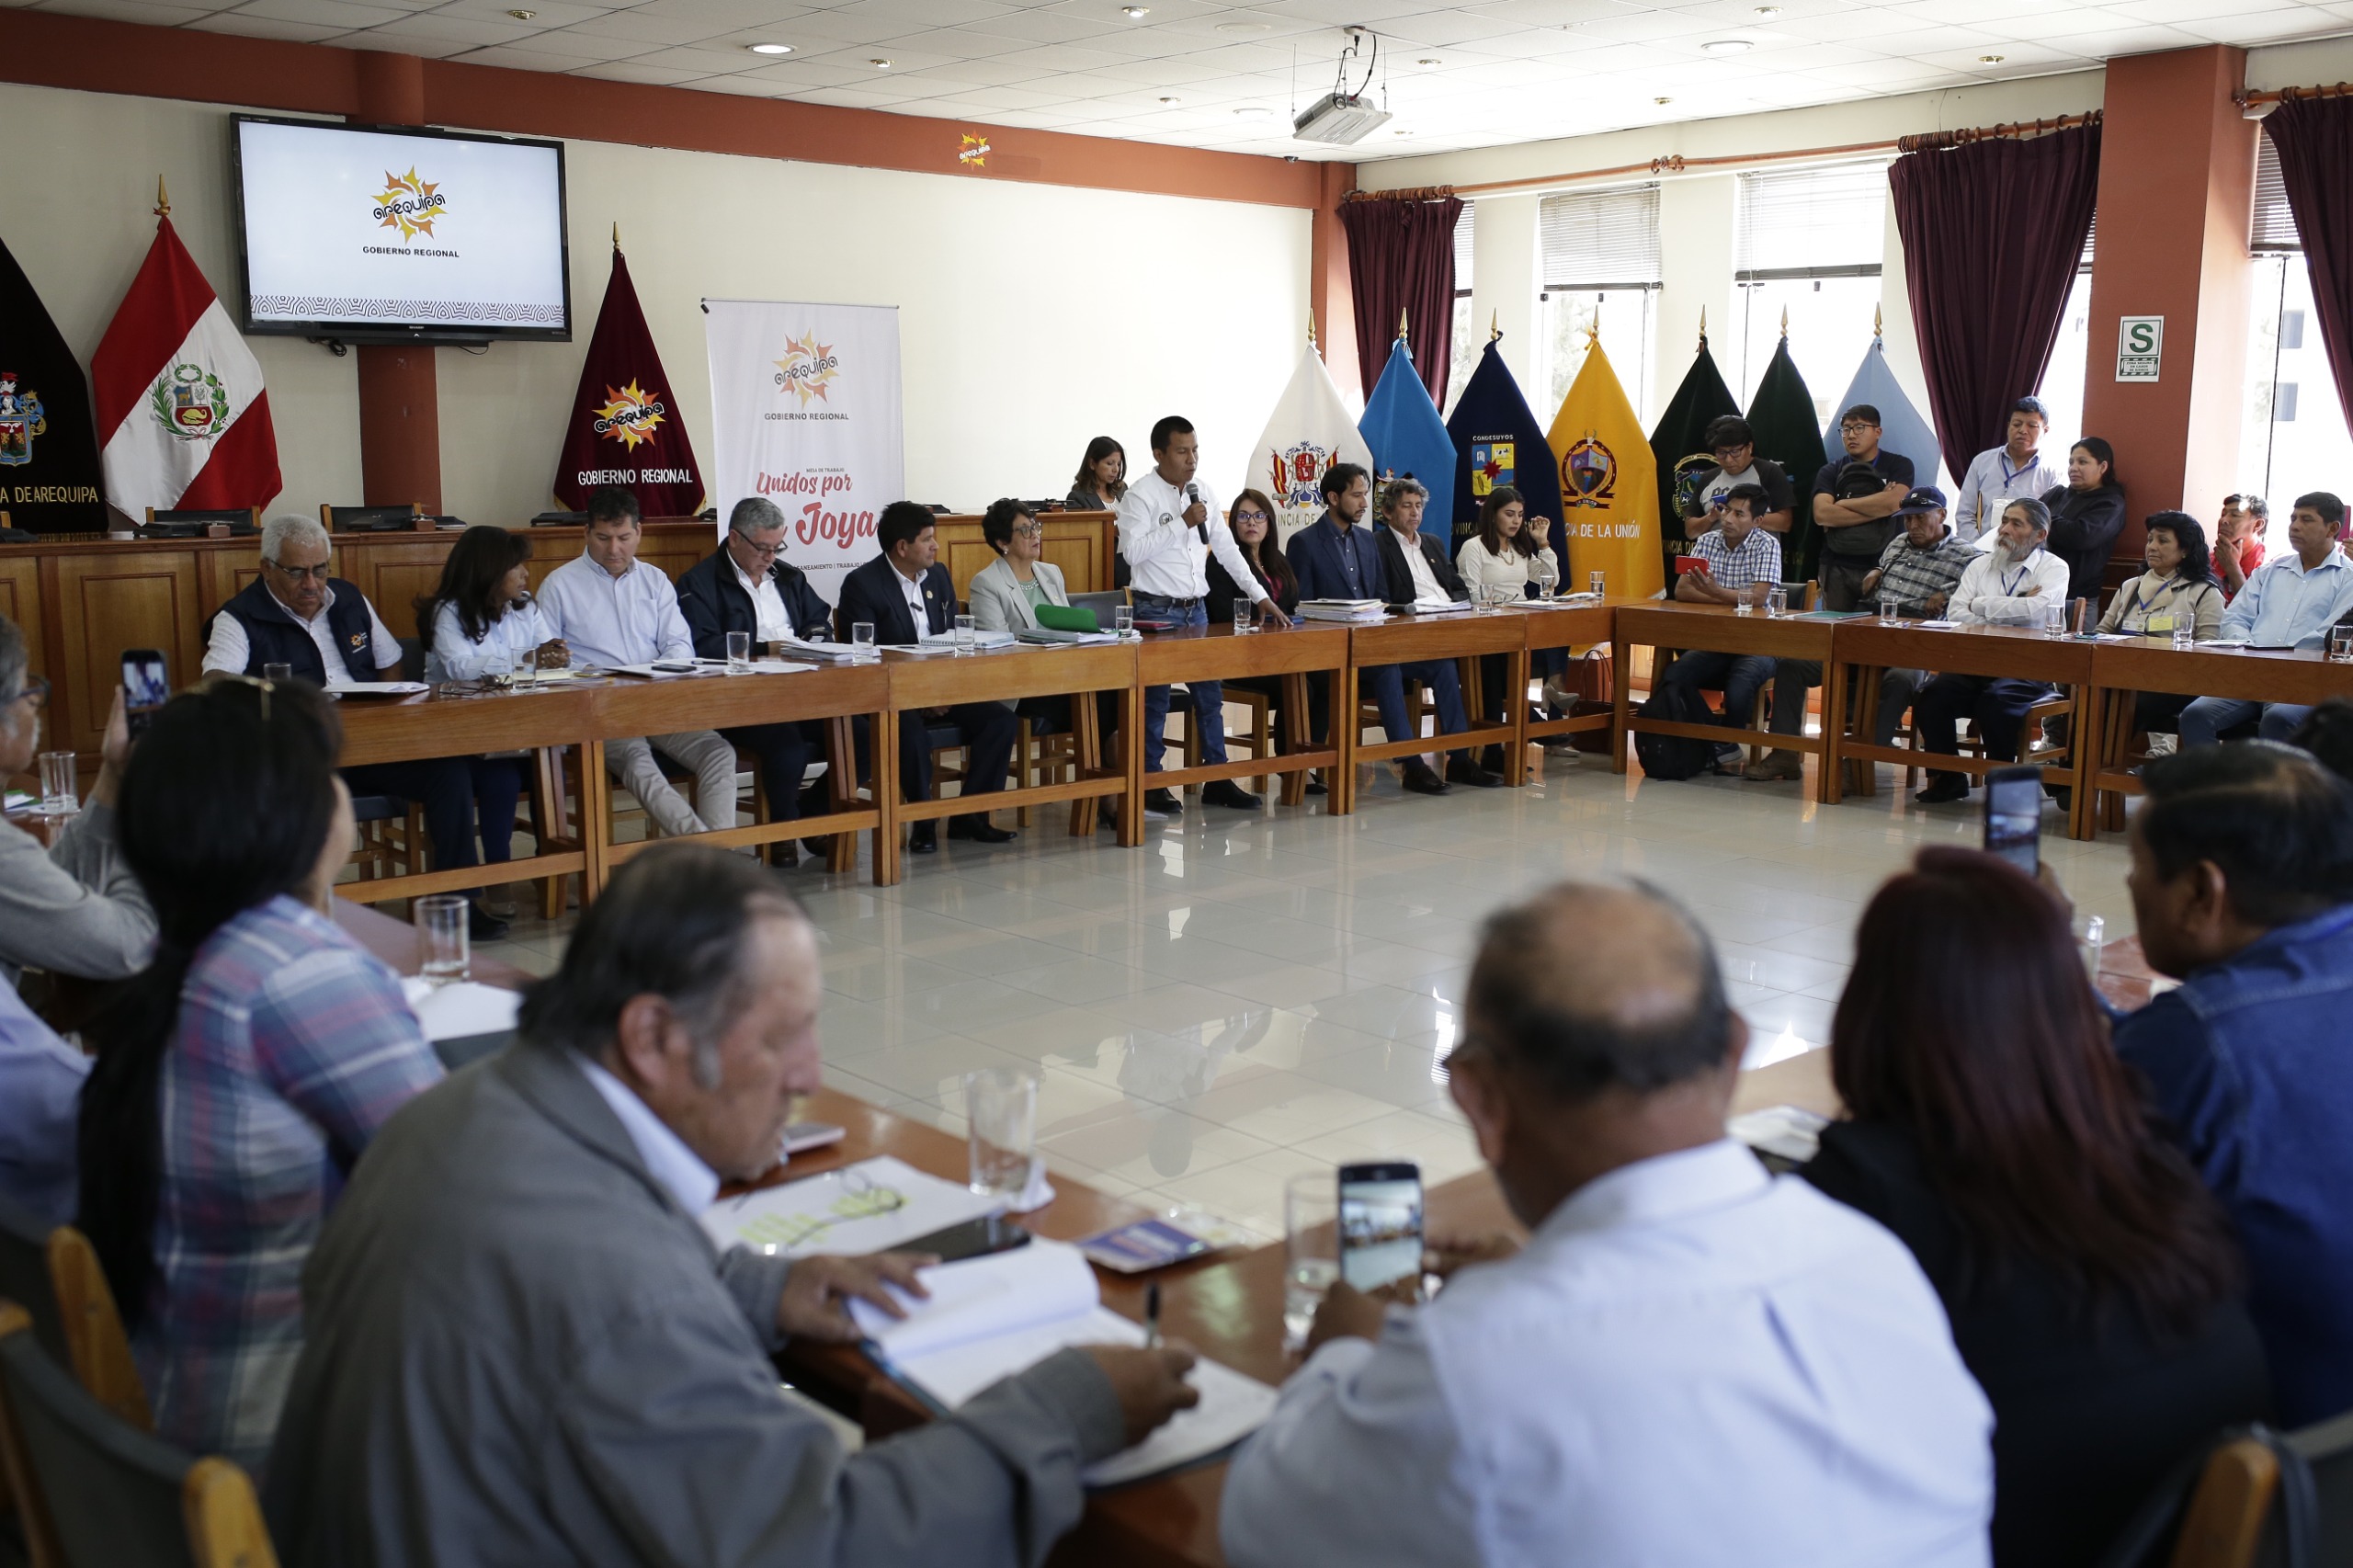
(1309, 430)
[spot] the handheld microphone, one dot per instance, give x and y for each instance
(1192, 491)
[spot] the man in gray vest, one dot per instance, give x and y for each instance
(522, 1347)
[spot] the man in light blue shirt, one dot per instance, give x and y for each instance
(611, 609)
(1690, 1361)
(2290, 601)
(40, 1097)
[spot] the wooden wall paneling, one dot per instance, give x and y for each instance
(20, 602)
(108, 601)
(221, 574)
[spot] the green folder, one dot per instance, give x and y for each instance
(1067, 618)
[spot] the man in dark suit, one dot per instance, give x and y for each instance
(905, 594)
(1340, 556)
(747, 586)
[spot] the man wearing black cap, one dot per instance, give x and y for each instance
(1855, 498)
(1917, 570)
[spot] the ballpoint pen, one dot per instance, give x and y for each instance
(1151, 1316)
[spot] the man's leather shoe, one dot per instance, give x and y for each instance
(1462, 771)
(980, 831)
(1943, 788)
(1226, 792)
(1161, 804)
(923, 839)
(1421, 780)
(1315, 786)
(482, 926)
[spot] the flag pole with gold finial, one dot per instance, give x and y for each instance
(1402, 336)
(1785, 322)
(1703, 326)
(1311, 327)
(1495, 326)
(163, 200)
(1879, 325)
(616, 234)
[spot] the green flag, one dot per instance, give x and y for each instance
(1789, 433)
(1680, 446)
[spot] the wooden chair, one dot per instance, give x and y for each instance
(52, 1274)
(99, 1494)
(2225, 1521)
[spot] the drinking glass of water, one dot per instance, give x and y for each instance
(1001, 1116)
(1888, 605)
(441, 940)
(275, 673)
(2091, 940)
(58, 779)
(2185, 634)
(2054, 620)
(966, 627)
(2340, 644)
(739, 650)
(1123, 619)
(1311, 1250)
(1744, 602)
(1597, 583)
(861, 638)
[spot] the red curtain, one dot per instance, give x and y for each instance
(1993, 231)
(1401, 258)
(2314, 137)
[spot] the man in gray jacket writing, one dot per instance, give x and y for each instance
(521, 1347)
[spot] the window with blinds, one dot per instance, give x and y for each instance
(1600, 239)
(1817, 223)
(1462, 253)
(2274, 229)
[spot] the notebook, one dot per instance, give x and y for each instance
(990, 1317)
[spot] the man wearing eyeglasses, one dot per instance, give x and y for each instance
(1854, 498)
(747, 586)
(1735, 447)
(299, 614)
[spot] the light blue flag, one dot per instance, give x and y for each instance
(1401, 426)
(1901, 430)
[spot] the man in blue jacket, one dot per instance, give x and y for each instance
(905, 594)
(2242, 885)
(747, 586)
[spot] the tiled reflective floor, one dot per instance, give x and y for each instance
(1249, 996)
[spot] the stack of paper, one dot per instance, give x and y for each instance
(946, 641)
(818, 653)
(870, 1207)
(1343, 609)
(988, 1318)
(1442, 606)
(1047, 634)
(376, 689)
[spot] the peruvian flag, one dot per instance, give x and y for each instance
(180, 401)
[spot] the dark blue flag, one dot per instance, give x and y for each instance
(50, 477)
(1499, 440)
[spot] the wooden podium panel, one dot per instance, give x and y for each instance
(107, 602)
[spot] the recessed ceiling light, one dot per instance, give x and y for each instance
(1661, 100)
(1172, 100)
(522, 15)
(1768, 11)
(769, 48)
(1428, 63)
(1242, 27)
(1728, 46)
(880, 64)
(1401, 133)
(1990, 59)
(1253, 111)
(1135, 13)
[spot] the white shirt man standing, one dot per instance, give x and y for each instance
(1690, 1361)
(612, 609)
(1169, 526)
(2014, 581)
(2014, 470)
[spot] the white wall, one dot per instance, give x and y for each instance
(1031, 317)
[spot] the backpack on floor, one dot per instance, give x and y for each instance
(1674, 756)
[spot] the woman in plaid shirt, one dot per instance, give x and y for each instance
(240, 1075)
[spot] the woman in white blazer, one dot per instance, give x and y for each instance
(1508, 557)
(1005, 592)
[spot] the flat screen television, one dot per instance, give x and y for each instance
(368, 234)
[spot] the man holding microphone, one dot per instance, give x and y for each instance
(1169, 526)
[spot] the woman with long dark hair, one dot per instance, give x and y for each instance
(240, 1074)
(1251, 519)
(1102, 477)
(1510, 554)
(2093, 1283)
(2179, 589)
(2086, 514)
(480, 622)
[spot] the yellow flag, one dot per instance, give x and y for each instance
(1608, 484)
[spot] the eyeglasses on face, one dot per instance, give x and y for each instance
(35, 692)
(765, 551)
(1030, 530)
(1854, 427)
(1252, 515)
(302, 573)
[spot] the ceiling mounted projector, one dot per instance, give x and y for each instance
(1345, 115)
(1339, 119)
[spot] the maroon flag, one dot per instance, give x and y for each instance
(625, 426)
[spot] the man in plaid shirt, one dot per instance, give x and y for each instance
(1735, 557)
(1919, 570)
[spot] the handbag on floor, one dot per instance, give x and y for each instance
(1585, 688)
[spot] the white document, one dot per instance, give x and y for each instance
(461, 1008)
(376, 689)
(870, 1207)
(680, 670)
(821, 652)
(980, 640)
(991, 1317)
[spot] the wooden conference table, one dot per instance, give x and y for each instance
(2302, 677)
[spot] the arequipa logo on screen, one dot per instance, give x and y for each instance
(808, 369)
(410, 204)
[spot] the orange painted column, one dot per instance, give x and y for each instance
(400, 403)
(2177, 189)
(1330, 293)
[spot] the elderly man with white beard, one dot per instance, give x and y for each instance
(2015, 582)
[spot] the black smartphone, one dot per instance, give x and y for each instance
(973, 1238)
(1381, 1224)
(146, 687)
(2014, 816)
